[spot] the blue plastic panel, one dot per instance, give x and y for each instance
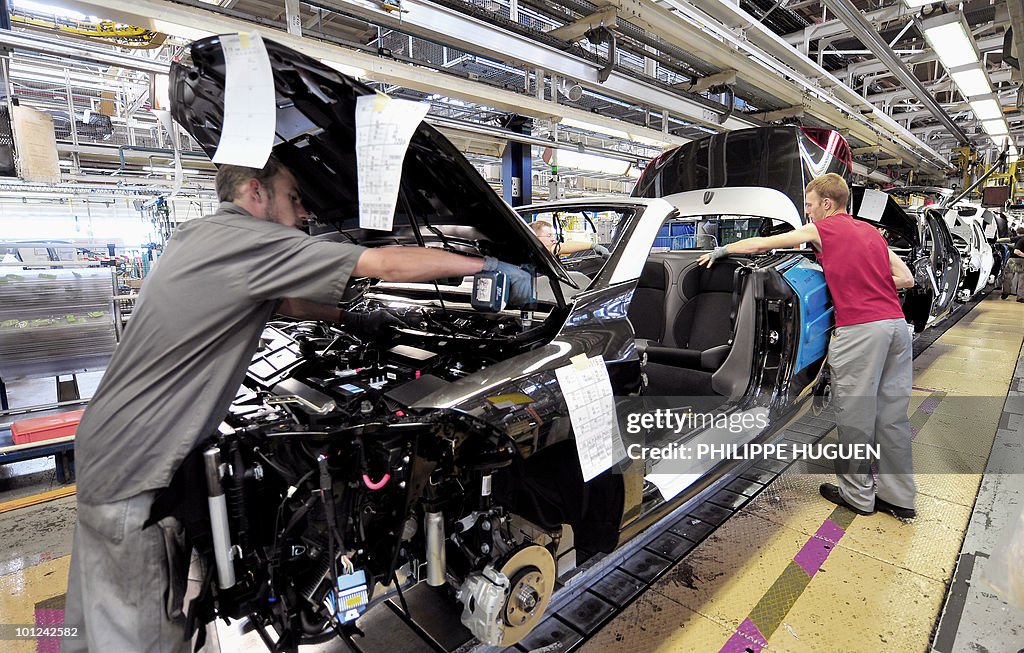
(816, 312)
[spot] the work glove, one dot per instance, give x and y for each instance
(520, 282)
(715, 254)
(373, 324)
(601, 250)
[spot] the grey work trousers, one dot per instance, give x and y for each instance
(1013, 277)
(872, 374)
(126, 583)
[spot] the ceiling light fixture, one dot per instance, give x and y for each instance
(986, 108)
(950, 37)
(971, 80)
(995, 127)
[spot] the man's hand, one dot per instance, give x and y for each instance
(374, 324)
(709, 258)
(520, 282)
(601, 250)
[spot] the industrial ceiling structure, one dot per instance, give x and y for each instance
(909, 86)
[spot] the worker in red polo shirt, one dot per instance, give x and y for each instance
(870, 353)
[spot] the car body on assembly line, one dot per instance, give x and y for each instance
(786, 159)
(447, 455)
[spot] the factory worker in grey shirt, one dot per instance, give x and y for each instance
(183, 356)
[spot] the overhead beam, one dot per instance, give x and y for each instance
(985, 44)
(726, 77)
(835, 27)
(867, 35)
(574, 31)
(779, 69)
(870, 149)
(788, 112)
(178, 19)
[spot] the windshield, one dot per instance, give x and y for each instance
(710, 231)
(582, 237)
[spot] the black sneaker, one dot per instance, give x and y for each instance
(831, 492)
(1020, 300)
(895, 511)
(1004, 295)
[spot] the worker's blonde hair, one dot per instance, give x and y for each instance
(540, 225)
(831, 186)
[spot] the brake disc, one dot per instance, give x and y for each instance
(531, 573)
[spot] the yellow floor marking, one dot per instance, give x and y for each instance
(656, 624)
(725, 577)
(857, 603)
(21, 590)
(36, 499)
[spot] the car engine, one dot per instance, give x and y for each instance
(329, 493)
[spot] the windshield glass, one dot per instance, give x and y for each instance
(710, 231)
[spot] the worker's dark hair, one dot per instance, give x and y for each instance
(831, 186)
(229, 178)
(1020, 231)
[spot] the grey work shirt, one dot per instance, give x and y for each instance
(191, 337)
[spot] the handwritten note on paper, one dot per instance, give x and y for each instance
(250, 110)
(588, 395)
(384, 127)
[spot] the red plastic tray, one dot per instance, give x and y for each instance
(38, 429)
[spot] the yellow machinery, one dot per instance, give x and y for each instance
(126, 36)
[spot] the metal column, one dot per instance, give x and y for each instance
(517, 165)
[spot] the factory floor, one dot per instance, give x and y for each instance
(789, 572)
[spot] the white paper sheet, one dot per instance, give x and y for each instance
(588, 395)
(872, 205)
(164, 116)
(384, 127)
(250, 112)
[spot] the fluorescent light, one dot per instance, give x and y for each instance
(950, 39)
(594, 163)
(611, 131)
(995, 127)
(914, 4)
(971, 81)
(987, 109)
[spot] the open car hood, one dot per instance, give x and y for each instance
(882, 211)
(315, 137)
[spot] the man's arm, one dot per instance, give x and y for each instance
(303, 309)
(573, 246)
(805, 234)
(414, 264)
(901, 274)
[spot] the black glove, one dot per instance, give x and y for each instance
(373, 324)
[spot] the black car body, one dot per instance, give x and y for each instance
(783, 158)
(447, 454)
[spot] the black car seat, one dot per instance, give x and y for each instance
(647, 309)
(702, 327)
